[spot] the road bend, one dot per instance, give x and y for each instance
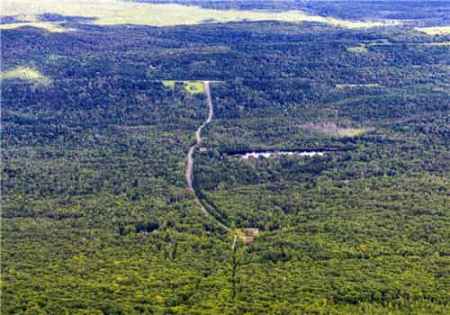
(190, 156)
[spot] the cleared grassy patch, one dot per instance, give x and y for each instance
(361, 49)
(170, 84)
(333, 130)
(48, 26)
(441, 44)
(350, 132)
(191, 87)
(114, 12)
(26, 74)
(194, 87)
(435, 30)
(352, 86)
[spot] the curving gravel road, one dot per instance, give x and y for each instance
(190, 155)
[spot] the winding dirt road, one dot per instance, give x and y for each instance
(190, 155)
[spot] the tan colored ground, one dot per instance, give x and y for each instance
(26, 74)
(51, 27)
(246, 235)
(436, 30)
(114, 12)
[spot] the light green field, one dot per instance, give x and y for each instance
(170, 84)
(49, 26)
(333, 130)
(26, 74)
(114, 12)
(192, 87)
(436, 30)
(350, 132)
(361, 49)
(351, 86)
(441, 44)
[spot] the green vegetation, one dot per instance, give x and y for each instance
(96, 217)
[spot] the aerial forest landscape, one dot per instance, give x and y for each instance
(201, 157)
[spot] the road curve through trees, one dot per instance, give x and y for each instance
(190, 155)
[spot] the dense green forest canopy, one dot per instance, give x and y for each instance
(97, 122)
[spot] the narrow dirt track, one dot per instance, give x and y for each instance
(190, 155)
